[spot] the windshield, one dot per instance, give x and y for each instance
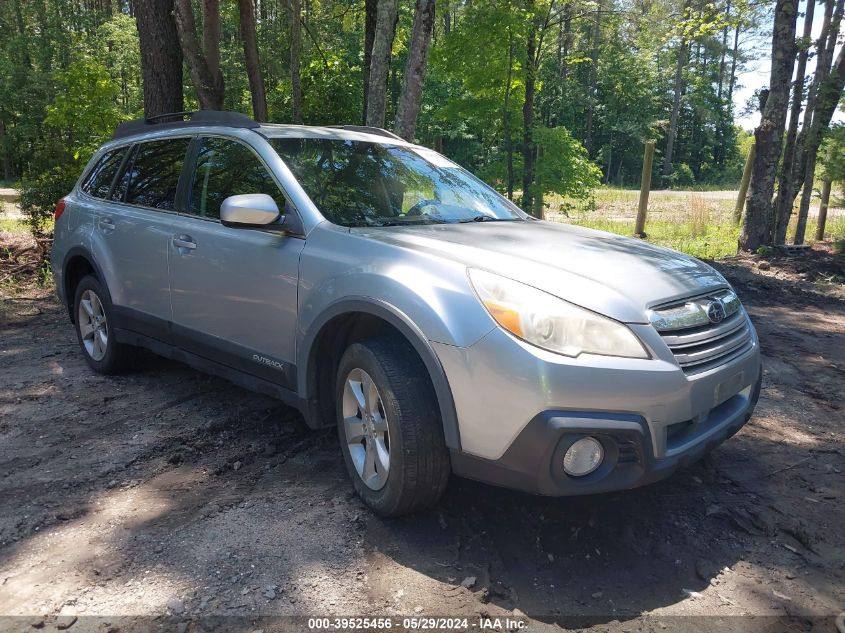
(356, 183)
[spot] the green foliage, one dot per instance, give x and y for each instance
(329, 93)
(116, 45)
(69, 72)
(832, 154)
(564, 167)
(84, 107)
(682, 176)
(39, 197)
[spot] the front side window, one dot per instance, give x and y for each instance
(99, 181)
(227, 168)
(154, 174)
(357, 183)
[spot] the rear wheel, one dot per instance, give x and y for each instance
(93, 310)
(389, 426)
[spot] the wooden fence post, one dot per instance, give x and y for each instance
(645, 188)
(746, 181)
(823, 210)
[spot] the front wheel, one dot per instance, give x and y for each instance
(389, 426)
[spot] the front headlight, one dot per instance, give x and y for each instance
(552, 323)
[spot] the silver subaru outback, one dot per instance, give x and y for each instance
(380, 288)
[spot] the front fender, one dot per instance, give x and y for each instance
(426, 298)
(433, 292)
(408, 329)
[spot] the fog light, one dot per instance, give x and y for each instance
(583, 457)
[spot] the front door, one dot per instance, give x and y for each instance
(233, 291)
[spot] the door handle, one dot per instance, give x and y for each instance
(107, 224)
(184, 241)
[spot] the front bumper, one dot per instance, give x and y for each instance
(520, 408)
(534, 461)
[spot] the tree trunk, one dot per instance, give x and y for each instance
(251, 59)
(539, 206)
(209, 86)
(676, 108)
(295, 11)
(412, 82)
(824, 59)
(528, 148)
(385, 31)
(826, 185)
(757, 227)
(723, 107)
(724, 51)
(732, 80)
(567, 42)
(830, 92)
(506, 116)
(161, 57)
(45, 49)
(370, 14)
(7, 163)
(211, 38)
(786, 195)
(594, 63)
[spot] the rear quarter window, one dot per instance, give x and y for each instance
(99, 181)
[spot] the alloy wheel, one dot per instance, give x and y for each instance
(365, 428)
(93, 326)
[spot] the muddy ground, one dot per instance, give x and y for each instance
(170, 500)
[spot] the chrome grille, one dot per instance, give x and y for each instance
(695, 340)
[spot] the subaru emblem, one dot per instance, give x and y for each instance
(716, 311)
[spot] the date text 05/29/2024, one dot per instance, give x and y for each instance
(417, 623)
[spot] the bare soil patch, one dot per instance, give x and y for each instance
(165, 499)
(20, 261)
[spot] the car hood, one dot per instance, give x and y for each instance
(617, 276)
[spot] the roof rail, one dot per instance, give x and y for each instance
(369, 130)
(181, 119)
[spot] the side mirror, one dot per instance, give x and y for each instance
(249, 210)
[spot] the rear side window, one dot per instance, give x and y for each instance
(154, 174)
(119, 191)
(101, 177)
(228, 168)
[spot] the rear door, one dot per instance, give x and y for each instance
(234, 291)
(133, 231)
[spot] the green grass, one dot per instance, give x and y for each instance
(695, 222)
(10, 225)
(709, 241)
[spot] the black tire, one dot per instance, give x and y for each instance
(118, 356)
(419, 461)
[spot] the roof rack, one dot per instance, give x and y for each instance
(181, 119)
(368, 130)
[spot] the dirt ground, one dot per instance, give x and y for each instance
(168, 500)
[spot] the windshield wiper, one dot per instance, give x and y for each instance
(484, 218)
(407, 223)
